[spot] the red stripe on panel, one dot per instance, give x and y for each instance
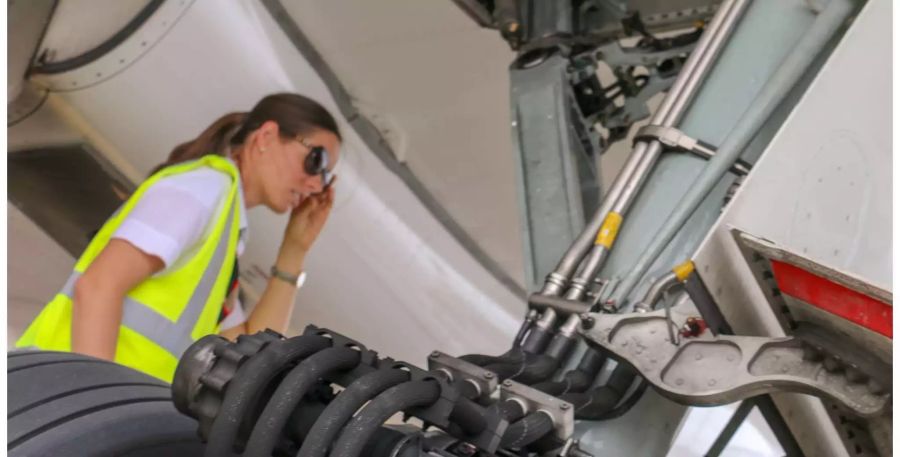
(834, 298)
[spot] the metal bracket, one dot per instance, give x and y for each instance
(458, 370)
(714, 370)
(673, 138)
(561, 412)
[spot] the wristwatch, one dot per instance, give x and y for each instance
(296, 281)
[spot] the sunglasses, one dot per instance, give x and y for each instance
(316, 162)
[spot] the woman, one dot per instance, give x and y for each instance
(158, 274)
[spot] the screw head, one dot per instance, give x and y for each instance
(507, 383)
(563, 406)
(488, 375)
(435, 354)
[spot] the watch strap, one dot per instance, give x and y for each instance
(296, 281)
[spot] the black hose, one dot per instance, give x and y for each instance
(341, 409)
(525, 367)
(626, 405)
(577, 380)
(560, 346)
(295, 385)
(470, 416)
(248, 384)
(536, 340)
(527, 430)
(366, 422)
(482, 359)
(600, 401)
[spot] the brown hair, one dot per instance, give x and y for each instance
(294, 114)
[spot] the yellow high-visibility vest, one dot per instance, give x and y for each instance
(165, 313)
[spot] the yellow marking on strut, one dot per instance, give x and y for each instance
(609, 230)
(683, 270)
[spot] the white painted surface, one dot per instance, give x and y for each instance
(702, 426)
(384, 271)
(437, 87)
(822, 188)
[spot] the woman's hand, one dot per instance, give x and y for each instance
(306, 222)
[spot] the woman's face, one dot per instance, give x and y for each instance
(281, 176)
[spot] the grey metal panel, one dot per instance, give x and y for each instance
(761, 41)
(557, 181)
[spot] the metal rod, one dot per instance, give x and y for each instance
(775, 89)
(778, 425)
(731, 427)
(637, 167)
(559, 304)
(570, 260)
(655, 292)
(681, 100)
(645, 154)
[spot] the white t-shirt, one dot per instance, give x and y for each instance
(173, 217)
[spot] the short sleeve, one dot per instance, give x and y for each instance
(173, 214)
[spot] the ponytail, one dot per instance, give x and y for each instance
(294, 113)
(213, 140)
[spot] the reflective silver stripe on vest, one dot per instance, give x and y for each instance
(175, 337)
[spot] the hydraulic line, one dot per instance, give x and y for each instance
(604, 226)
(398, 398)
(527, 430)
(341, 409)
(669, 112)
(290, 391)
(625, 406)
(524, 367)
(248, 384)
(679, 274)
(469, 416)
(577, 380)
(775, 89)
(599, 401)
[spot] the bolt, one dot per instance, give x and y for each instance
(507, 383)
(587, 322)
(488, 375)
(564, 406)
(435, 354)
(679, 381)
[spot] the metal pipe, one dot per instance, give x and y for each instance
(775, 89)
(559, 304)
(680, 102)
(645, 153)
(655, 292)
(637, 167)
